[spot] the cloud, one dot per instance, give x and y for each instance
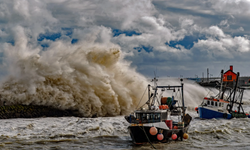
(224, 48)
(164, 32)
(215, 31)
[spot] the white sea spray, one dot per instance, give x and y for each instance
(91, 78)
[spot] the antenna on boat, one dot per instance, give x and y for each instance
(155, 81)
(153, 95)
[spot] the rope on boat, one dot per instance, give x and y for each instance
(141, 97)
(147, 137)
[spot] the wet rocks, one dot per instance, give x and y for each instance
(33, 111)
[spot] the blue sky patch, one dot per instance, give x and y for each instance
(44, 46)
(69, 31)
(54, 36)
(187, 42)
(73, 41)
(148, 49)
(49, 36)
(117, 32)
(12, 42)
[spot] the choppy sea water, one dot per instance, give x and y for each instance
(66, 133)
(111, 133)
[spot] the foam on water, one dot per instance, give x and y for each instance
(112, 133)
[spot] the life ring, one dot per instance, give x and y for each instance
(196, 109)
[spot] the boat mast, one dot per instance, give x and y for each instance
(240, 103)
(154, 95)
(235, 87)
(221, 84)
(154, 88)
(236, 84)
(183, 105)
(149, 97)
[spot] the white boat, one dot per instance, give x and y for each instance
(226, 104)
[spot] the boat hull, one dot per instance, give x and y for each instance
(206, 113)
(140, 134)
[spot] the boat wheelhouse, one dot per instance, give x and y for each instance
(142, 116)
(219, 104)
(213, 108)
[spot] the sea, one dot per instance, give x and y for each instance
(95, 80)
(76, 133)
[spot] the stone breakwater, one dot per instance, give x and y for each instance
(33, 111)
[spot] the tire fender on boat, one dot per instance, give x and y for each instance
(225, 115)
(229, 107)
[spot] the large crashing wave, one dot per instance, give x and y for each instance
(92, 79)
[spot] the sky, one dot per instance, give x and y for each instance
(180, 38)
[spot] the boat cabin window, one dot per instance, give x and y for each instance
(219, 104)
(148, 117)
(212, 103)
(215, 103)
(155, 116)
(222, 104)
(138, 116)
(208, 102)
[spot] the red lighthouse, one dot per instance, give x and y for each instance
(229, 77)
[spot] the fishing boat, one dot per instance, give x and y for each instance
(226, 104)
(160, 119)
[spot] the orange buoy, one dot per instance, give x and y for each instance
(164, 107)
(153, 131)
(160, 136)
(247, 114)
(174, 136)
(185, 136)
(160, 107)
(175, 127)
(196, 108)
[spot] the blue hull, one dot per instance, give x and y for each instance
(209, 114)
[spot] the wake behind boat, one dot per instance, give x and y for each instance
(162, 119)
(227, 103)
